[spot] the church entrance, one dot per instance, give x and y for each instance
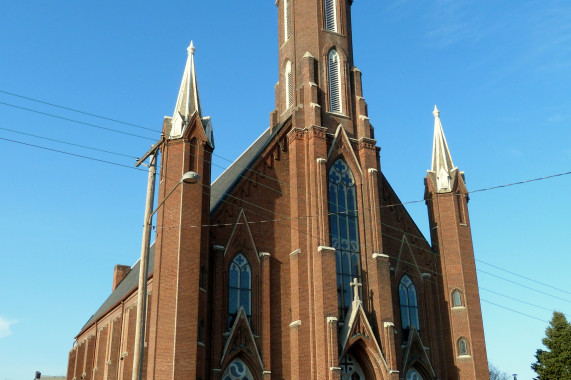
(350, 369)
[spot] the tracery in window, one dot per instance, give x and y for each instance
(408, 305)
(463, 347)
(289, 85)
(331, 15)
(240, 288)
(334, 66)
(344, 226)
(237, 370)
(456, 298)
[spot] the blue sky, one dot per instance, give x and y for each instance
(498, 71)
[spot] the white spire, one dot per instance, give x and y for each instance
(442, 165)
(188, 101)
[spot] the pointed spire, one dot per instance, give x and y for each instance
(188, 101)
(442, 164)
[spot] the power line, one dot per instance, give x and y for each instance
(515, 311)
(73, 154)
(77, 121)
(67, 143)
(77, 111)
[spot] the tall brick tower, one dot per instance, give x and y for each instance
(447, 200)
(178, 306)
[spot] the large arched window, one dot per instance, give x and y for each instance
(289, 85)
(239, 288)
(331, 15)
(344, 227)
(408, 305)
(237, 370)
(334, 66)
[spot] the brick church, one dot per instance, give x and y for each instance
(299, 261)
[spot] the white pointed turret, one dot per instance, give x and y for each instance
(188, 101)
(442, 166)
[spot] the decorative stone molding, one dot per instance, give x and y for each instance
(295, 324)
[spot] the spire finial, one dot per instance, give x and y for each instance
(442, 164)
(436, 113)
(191, 49)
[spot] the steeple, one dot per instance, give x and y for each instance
(442, 166)
(188, 101)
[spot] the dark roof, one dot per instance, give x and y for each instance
(129, 283)
(227, 180)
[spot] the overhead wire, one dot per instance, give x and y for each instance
(113, 163)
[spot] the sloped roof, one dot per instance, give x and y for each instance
(129, 283)
(230, 177)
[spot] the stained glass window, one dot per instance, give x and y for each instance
(408, 306)
(344, 225)
(413, 374)
(463, 346)
(456, 298)
(240, 288)
(237, 370)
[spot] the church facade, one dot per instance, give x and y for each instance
(299, 261)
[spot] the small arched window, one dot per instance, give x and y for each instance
(287, 19)
(289, 85)
(463, 348)
(413, 374)
(240, 288)
(334, 66)
(408, 305)
(456, 298)
(237, 370)
(331, 15)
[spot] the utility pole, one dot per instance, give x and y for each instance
(138, 353)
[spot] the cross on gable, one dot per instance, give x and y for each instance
(355, 285)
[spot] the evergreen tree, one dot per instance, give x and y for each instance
(555, 362)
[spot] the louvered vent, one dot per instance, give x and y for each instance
(334, 82)
(287, 19)
(289, 86)
(330, 16)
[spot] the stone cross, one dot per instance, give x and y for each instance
(355, 285)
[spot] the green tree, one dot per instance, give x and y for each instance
(555, 362)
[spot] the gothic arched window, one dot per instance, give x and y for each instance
(334, 66)
(463, 347)
(287, 19)
(408, 305)
(237, 370)
(239, 288)
(289, 85)
(456, 298)
(344, 225)
(330, 15)
(413, 374)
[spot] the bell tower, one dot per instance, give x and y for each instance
(318, 84)
(447, 200)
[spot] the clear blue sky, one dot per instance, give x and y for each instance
(499, 72)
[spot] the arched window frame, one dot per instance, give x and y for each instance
(413, 374)
(289, 85)
(463, 347)
(239, 288)
(344, 231)
(287, 19)
(330, 15)
(334, 72)
(408, 300)
(457, 298)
